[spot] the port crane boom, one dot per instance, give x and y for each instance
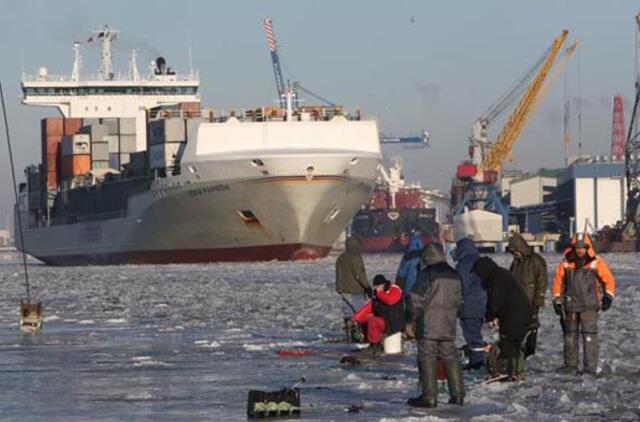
(275, 60)
(502, 146)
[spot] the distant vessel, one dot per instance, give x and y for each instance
(394, 212)
(137, 172)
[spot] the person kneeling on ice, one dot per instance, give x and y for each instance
(384, 314)
(434, 303)
(509, 306)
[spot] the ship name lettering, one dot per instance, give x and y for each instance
(210, 189)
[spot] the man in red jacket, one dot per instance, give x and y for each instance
(384, 315)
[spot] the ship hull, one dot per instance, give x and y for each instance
(201, 216)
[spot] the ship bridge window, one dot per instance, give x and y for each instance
(248, 216)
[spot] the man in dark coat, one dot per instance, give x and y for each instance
(474, 306)
(509, 306)
(530, 269)
(351, 284)
(434, 303)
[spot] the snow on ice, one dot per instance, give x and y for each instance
(187, 342)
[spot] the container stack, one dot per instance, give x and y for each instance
(52, 130)
(76, 155)
(167, 140)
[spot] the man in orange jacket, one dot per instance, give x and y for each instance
(577, 298)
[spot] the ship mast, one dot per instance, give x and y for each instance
(77, 63)
(106, 36)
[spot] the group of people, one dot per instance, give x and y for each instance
(429, 297)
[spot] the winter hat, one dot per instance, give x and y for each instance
(379, 279)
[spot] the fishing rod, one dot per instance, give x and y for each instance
(30, 313)
(15, 193)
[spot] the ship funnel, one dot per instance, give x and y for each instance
(161, 66)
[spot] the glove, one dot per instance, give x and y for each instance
(557, 306)
(607, 299)
(369, 292)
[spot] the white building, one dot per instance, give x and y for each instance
(531, 190)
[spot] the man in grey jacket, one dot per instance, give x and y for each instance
(352, 285)
(434, 303)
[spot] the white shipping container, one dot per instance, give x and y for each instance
(112, 126)
(96, 132)
(167, 130)
(128, 126)
(125, 159)
(165, 155)
(113, 141)
(100, 151)
(75, 144)
(128, 143)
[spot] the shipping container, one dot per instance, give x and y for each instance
(114, 143)
(99, 151)
(111, 125)
(114, 161)
(128, 126)
(75, 144)
(71, 126)
(138, 164)
(51, 145)
(96, 131)
(75, 165)
(52, 180)
(167, 130)
(52, 126)
(165, 155)
(51, 164)
(128, 143)
(125, 158)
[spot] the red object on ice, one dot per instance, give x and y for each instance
(361, 315)
(285, 353)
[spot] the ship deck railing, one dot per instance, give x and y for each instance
(261, 114)
(118, 77)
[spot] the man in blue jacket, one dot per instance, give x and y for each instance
(474, 305)
(408, 269)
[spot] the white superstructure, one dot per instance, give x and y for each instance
(108, 94)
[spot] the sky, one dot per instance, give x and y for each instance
(411, 64)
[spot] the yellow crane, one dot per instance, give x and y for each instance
(501, 148)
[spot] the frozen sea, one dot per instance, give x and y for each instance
(187, 342)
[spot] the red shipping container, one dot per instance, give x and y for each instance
(71, 126)
(52, 126)
(75, 165)
(51, 145)
(51, 165)
(52, 180)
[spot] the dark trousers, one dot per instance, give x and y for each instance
(587, 324)
(472, 332)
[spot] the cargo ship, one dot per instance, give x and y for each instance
(395, 211)
(137, 171)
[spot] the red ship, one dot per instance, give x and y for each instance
(393, 213)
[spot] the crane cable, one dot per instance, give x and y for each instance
(15, 193)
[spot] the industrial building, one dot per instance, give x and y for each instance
(588, 194)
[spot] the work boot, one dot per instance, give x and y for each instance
(567, 370)
(512, 369)
(429, 382)
(454, 381)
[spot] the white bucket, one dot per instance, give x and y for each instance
(392, 344)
